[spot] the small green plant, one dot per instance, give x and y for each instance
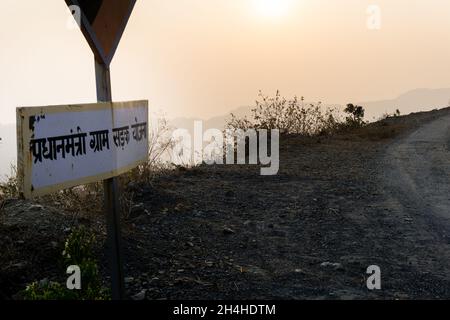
(79, 247)
(78, 250)
(44, 290)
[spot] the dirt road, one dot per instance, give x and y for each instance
(419, 174)
(417, 182)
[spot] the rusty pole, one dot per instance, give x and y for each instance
(112, 208)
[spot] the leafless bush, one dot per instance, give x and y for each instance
(10, 188)
(86, 200)
(160, 143)
(290, 116)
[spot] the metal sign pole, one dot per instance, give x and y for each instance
(112, 208)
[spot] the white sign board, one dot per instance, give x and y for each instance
(65, 146)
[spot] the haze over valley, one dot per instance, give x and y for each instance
(412, 101)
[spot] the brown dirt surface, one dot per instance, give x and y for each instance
(338, 205)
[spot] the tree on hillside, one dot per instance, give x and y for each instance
(356, 115)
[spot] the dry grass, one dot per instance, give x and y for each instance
(381, 131)
(85, 200)
(295, 118)
(377, 131)
(10, 188)
(290, 116)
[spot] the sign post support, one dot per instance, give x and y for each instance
(111, 201)
(103, 23)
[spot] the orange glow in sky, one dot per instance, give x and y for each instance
(272, 8)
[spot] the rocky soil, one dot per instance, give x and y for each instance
(338, 205)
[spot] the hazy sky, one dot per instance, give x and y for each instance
(206, 57)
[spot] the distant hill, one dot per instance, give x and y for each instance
(412, 101)
(218, 122)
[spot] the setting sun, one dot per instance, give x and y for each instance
(272, 8)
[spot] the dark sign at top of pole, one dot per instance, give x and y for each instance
(103, 23)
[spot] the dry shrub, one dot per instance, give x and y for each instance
(290, 116)
(10, 188)
(160, 143)
(380, 131)
(86, 200)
